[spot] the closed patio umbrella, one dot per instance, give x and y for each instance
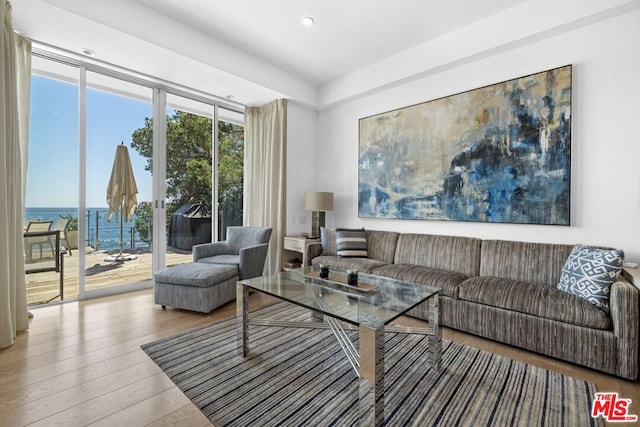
(121, 195)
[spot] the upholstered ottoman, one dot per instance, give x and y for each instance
(195, 286)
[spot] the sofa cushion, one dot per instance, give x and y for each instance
(447, 281)
(525, 261)
(365, 265)
(221, 259)
(451, 253)
(196, 274)
(534, 299)
(589, 273)
(351, 243)
(381, 245)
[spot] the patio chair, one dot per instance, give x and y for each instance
(245, 247)
(61, 225)
(27, 221)
(31, 241)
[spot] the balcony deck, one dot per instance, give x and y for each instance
(44, 286)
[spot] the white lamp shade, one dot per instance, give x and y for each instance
(318, 201)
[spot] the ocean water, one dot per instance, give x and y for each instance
(108, 232)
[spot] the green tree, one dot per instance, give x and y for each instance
(189, 154)
(143, 215)
(230, 174)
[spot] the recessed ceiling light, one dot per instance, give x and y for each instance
(87, 52)
(307, 21)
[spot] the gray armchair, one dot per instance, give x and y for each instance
(245, 247)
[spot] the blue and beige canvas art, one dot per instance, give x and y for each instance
(500, 153)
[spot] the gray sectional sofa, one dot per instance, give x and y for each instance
(506, 291)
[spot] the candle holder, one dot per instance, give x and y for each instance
(352, 277)
(323, 271)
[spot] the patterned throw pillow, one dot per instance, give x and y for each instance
(590, 272)
(328, 241)
(352, 243)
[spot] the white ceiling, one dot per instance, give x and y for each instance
(346, 35)
(254, 51)
(248, 49)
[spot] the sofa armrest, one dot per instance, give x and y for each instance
(209, 249)
(314, 250)
(252, 260)
(624, 305)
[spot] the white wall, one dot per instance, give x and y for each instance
(605, 142)
(301, 139)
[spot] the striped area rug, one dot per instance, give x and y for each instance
(300, 377)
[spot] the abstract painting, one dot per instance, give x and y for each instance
(500, 153)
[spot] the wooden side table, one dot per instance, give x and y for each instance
(296, 247)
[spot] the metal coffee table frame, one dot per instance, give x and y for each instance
(368, 363)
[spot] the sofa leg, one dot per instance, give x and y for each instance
(164, 307)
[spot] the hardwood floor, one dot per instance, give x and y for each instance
(80, 363)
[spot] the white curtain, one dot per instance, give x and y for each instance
(15, 79)
(265, 134)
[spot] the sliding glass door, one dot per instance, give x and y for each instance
(118, 252)
(230, 170)
(52, 183)
(186, 157)
(189, 155)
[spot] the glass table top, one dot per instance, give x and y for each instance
(376, 302)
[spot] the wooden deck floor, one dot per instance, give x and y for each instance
(43, 287)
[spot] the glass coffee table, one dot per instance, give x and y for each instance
(368, 308)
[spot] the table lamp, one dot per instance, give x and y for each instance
(318, 202)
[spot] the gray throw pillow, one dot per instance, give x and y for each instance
(328, 241)
(352, 243)
(590, 272)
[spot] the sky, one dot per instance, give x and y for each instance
(52, 172)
